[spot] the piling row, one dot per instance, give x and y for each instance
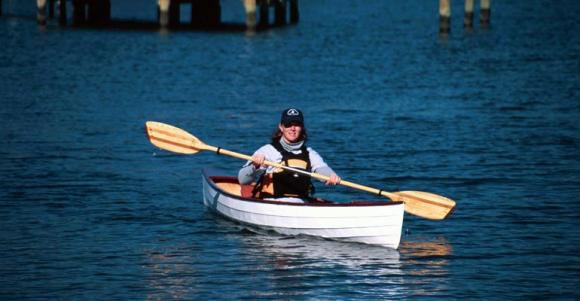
(204, 13)
(280, 8)
(93, 12)
(445, 14)
(207, 13)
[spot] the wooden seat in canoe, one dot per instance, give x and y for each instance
(236, 189)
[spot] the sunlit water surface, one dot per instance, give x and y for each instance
(89, 210)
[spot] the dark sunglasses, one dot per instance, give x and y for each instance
(287, 125)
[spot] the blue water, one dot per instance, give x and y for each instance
(90, 210)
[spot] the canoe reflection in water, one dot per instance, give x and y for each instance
(313, 264)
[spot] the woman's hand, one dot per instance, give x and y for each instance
(258, 160)
(333, 180)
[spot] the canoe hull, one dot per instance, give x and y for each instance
(377, 223)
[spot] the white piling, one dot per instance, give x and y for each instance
(163, 6)
(444, 16)
(468, 17)
(485, 12)
(41, 12)
(250, 8)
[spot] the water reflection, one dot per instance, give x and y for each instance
(288, 252)
(422, 247)
(169, 276)
(304, 266)
(310, 264)
(428, 262)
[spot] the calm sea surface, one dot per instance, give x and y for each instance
(90, 210)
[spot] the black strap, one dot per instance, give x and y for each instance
(258, 187)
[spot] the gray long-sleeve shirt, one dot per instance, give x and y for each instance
(248, 173)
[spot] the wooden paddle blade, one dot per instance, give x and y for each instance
(427, 205)
(172, 139)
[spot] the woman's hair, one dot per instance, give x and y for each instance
(277, 134)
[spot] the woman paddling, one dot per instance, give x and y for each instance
(289, 148)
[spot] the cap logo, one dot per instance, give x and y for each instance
(292, 112)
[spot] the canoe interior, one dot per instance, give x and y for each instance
(231, 186)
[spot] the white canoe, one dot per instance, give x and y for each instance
(376, 223)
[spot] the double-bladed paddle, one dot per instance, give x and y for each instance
(423, 204)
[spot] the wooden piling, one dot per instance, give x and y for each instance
(174, 13)
(105, 11)
(279, 12)
(468, 17)
(92, 12)
(215, 13)
(79, 12)
(163, 8)
(205, 13)
(444, 16)
(62, 13)
(99, 12)
(264, 14)
(0, 8)
(198, 13)
(294, 12)
(485, 12)
(51, 8)
(41, 12)
(250, 8)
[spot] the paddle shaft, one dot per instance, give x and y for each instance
(225, 152)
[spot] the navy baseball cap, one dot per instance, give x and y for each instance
(292, 115)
